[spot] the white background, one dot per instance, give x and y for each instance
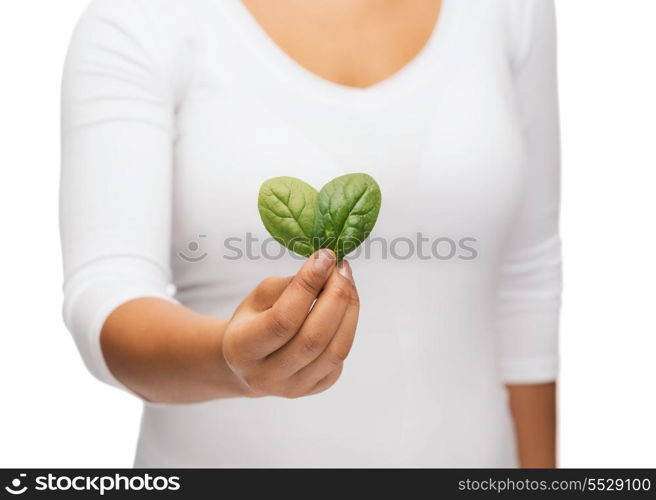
(54, 414)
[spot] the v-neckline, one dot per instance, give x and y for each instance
(403, 79)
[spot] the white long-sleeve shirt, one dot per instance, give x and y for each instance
(174, 113)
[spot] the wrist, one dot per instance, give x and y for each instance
(231, 383)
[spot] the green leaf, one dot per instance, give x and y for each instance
(346, 212)
(287, 208)
(340, 217)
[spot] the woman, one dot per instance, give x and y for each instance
(174, 113)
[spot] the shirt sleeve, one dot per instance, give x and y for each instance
(530, 278)
(115, 192)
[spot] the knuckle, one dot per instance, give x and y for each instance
(284, 364)
(281, 324)
(312, 343)
(354, 299)
(341, 291)
(338, 355)
(309, 281)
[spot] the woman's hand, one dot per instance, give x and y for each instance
(280, 342)
(273, 344)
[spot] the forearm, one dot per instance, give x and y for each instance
(167, 353)
(533, 409)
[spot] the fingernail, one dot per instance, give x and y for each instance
(344, 269)
(324, 259)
